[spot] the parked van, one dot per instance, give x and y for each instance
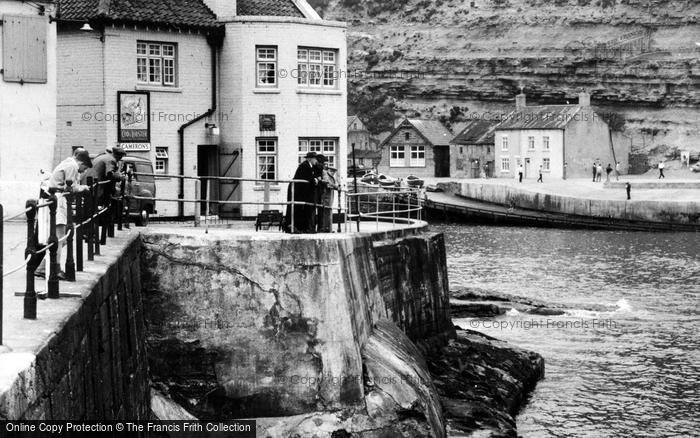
(140, 185)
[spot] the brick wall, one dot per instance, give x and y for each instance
(94, 367)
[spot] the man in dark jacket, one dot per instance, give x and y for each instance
(303, 192)
(105, 167)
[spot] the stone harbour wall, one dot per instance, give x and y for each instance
(93, 367)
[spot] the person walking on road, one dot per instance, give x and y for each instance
(599, 173)
(618, 166)
(540, 177)
(661, 169)
(595, 171)
(520, 173)
(607, 171)
(628, 188)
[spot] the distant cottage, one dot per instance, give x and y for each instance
(564, 140)
(472, 150)
(364, 146)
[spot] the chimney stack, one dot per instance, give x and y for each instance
(520, 101)
(584, 99)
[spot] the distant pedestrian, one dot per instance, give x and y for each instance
(303, 197)
(618, 167)
(628, 187)
(607, 171)
(565, 166)
(661, 170)
(599, 173)
(540, 178)
(520, 173)
(595, 171)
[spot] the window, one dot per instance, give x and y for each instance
(531, 143)
(407, 136)
(161, 160)
(545, 143)
(504, 143)
(505, 164)
(418, 156)
(397, 156)
(155, 63)
(461, 150)
(266, 58)
(325, 146)
(267, 158)
(316, 67)
(24, 48)
(545, 164)
(354, 126)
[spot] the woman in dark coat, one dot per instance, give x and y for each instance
(303, 192)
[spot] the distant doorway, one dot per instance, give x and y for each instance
(207, 165)
(527, 168)
(441, 155)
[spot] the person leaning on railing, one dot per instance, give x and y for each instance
(330, 185)
(303, 196)
(67, 170)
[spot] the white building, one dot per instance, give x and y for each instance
(27, 99)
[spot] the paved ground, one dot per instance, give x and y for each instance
(585, 188)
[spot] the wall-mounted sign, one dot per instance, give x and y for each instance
(135, 147)
(267, 122)
(134, 124)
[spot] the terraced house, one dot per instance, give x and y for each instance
(203, 88)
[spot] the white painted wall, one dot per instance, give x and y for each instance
(27, 121)
(518, 151)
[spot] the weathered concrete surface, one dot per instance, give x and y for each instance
(91, 365)
(668, 210)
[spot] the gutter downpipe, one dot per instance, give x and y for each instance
(213, 41)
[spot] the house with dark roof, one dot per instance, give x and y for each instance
(417, 147)
(237, 89)
(27, 98)
(472, 150)
(363, 147)
(563, 140)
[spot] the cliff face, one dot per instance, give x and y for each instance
(640, 59)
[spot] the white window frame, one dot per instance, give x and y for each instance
(546, 164)
(266, 155)
(545, 143)
(161, 162)
(505, 164)
(504, 143)
(156, 63)
(417, 156)
(397, 156)
(266, 61)
(531, 143)
(326, 146)
(317, 67)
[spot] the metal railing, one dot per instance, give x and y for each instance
(89, 224)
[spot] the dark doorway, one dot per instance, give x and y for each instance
(442, 161)
(207, 165)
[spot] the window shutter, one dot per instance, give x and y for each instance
(24, 48)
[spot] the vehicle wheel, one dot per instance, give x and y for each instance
(142, 219)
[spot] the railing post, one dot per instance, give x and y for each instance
(197, 202)
(2, 280)
(53, 289)
(95, 222)
(120, 203)
(90, 230)
(293, 203)
(111, 208)
(393, 210)
(30, 293)
(340, 210)
(266, 195)
(70, 262)
(376, 209)
(79, 233)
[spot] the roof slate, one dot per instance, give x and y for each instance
(433, 130)
(540, 117)
(179, 13)
(280, 8)
(477, 132)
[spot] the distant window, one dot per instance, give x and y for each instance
(417, 156)
(407, 136)
(545, 164)
(505, 164)
(266, 59)
(461, 150)
(156, 63)
(531, 143)
(317, 67)
(545, 143)
(24, 48)
(354, 126)
(488, 149)
(267, 158)
(397, 156)
(161, 160)
(504, 143)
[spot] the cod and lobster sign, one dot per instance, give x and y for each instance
(134, 123)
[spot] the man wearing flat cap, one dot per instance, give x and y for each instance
(304, 192)
(105, 167)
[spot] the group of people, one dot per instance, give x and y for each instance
(76, 169)
(598, 171)
(313, 199)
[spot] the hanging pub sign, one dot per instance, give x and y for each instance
(134, 123)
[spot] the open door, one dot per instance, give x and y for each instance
(442, 161)
(207, 165)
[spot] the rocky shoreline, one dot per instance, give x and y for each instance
(483, 382)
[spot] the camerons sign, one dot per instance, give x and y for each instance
(134, 124)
